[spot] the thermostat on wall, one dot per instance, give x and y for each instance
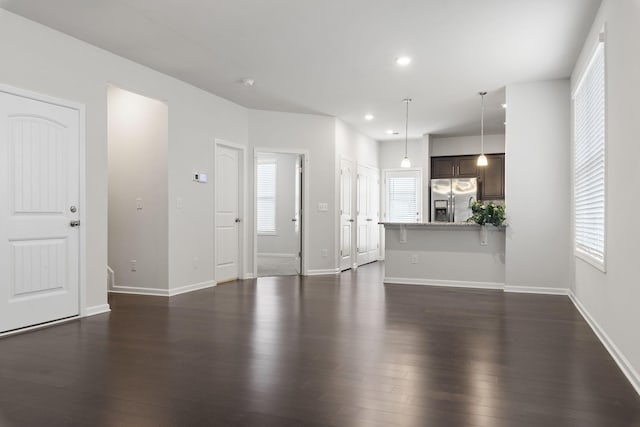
(200, 177)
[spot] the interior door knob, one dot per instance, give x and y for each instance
(238, 220)
(75, 223)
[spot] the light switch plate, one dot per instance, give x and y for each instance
(323, 207)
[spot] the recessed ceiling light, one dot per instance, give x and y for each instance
(391, 132)
(504, 105)
(247, 82)
(368, 117)
(403, 61)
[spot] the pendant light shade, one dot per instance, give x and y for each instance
(482, 159)
(406, 163)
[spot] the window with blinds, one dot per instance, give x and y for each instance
(266, 196)
(404, 203)
(589, 162)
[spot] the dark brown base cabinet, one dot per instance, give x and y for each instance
(490, 177)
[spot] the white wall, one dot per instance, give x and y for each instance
(462, 145)
(315, 134)
(355, 146)
(537, 189)
(46, 61)
(138, 141)
(285, 241)
(612, 298)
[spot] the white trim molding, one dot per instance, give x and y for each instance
(622, 362)
(536, 290)
(443, 283)
(276, 255)
(138, 290)
(322, 272)
(97, 309)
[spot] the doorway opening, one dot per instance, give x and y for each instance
(279, 213)
(137, 136)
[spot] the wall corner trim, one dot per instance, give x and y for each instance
(622, 362)
(323, 271)
(97, 309)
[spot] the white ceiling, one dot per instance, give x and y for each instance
(336, 57)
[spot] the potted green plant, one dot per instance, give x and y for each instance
(483, 214)
(489, 213)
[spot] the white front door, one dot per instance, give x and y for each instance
(39, 200)
(346, 213)
(227, 217)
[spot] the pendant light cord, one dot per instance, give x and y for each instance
(482, 94)
(406, 128)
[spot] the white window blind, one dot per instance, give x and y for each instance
(266, 196)
(403, 196)
(589, 164)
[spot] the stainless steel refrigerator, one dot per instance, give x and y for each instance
(451, 199)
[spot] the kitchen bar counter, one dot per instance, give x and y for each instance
(437, 225)
(445, 254)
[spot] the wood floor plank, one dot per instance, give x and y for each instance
(338, 350)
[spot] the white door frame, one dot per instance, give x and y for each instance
(305, 203)
(242, 201)
(82, 259)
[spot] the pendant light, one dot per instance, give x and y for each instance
(406, 163)
(482, 159)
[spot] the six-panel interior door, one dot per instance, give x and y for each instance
(227, 217)
(39, 199)
(346, 213)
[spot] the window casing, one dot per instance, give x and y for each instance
(403, 195)
(589, 107)
(266, 174)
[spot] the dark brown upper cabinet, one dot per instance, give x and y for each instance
(490, 177)
(454, 167)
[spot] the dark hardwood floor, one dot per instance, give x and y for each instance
(333, 350)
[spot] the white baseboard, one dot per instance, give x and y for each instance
(277, 255)
(536, 290)
(622, 362)
(323, 272)
(445, 283)
(137, 290)
(97, 309)
(192, 287)
(248, 276)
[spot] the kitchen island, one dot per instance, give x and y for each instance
(444, 254)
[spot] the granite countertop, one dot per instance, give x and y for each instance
(463, 225)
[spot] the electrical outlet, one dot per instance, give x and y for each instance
(196, 261)
(134, 265)
(324, 253)
(415, 259)
(139, 203)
